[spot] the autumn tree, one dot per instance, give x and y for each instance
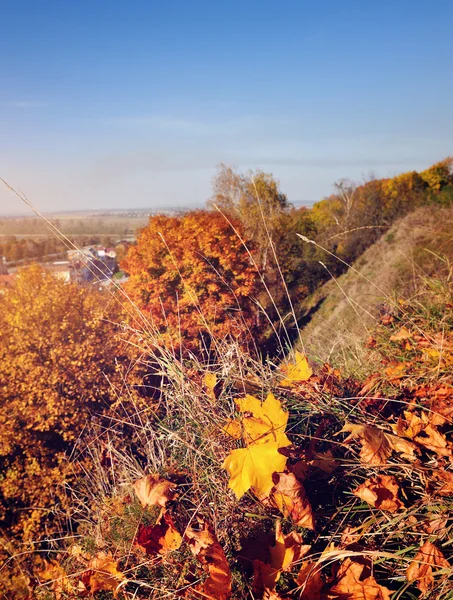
(59, 358)
(256, 201)
(194, 279)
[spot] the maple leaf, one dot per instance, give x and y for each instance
(310, 581)
(151, 490)
(325, 461)
(263, 422)
(445, 478)
(206, 548)
(296, 372)
(289, 496)
(160, 538)
(355, 582)
(103, 574)
(253, 467)
(381, 492)
(56, 575)
(288, 550)
(377, 445)
(402, 334)
(422, 431)
(210, 382)
(421, 568)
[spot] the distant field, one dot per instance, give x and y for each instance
(79, 226)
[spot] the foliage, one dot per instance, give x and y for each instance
(194, 280)
(59, 358)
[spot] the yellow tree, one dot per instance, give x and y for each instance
(59, 354)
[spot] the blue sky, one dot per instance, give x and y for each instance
(133, 104)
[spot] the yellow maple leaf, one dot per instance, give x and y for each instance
(253, 467)
(210, 381)
(297, 372)
(263, 422)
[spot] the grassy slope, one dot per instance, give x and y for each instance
(344, 310)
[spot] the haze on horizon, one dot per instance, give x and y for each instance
(117, 105)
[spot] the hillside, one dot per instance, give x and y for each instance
(340, 314)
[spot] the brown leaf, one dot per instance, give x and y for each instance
(288, 495)
(381, 492)
(421, 568)
(103, 574)
(354, 581)
(209, 552)
(151, 490)
(422, 431)
(310, 581)
(159, 538)
(324, 461)
(437, 524)
(377, 445)
(445, 479)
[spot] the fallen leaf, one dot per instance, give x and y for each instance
(151, 490)
(296, 372)
(271, 595)
(381, 492)
(61, 584)
(354, 581)
(421, 568)
(210, 381)
(234, 429)
(324, 461)
(445, 479)
(252, 467)
(263, 422)
(102, 574)
(288, 550)
(289, 496)
(402, 334)
(396, 371)
(377, 445)
(421, 431)
(437, 524)
(310, 581)
(205, 546)
(160, 538)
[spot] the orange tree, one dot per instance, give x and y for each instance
(59, 356)
(194, 279)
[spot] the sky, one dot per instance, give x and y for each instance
(115, 104)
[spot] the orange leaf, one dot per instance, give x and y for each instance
(159, 538)
(310, 581)
(421, 568)
(403, 334)
(380, 492)
(288, 495)
(421, 431)
(445, 478)
(288, 550)
(206, 548)
(355, 582)
(153, 491)
(103, 574)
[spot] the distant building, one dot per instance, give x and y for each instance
(3, 267)
(60, 269)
